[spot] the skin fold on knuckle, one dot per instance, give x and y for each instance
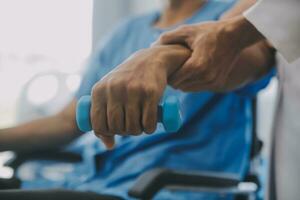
(182, 30)
(134, 129)
(149, 92)
(164, 38)
(98, 90)
(150, 125)
(169, 37)
(133, 88)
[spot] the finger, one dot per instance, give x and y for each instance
(182, 75)
(109, 141)
(149, 120)
(187, 73)
(115, 118)
(99, 123)
(178, 36)
(177, 77)
(133, 119)
(99, 116)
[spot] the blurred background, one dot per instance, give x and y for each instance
(44, 45)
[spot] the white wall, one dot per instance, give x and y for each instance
(106, 14)
(38, 36)
(138, 6)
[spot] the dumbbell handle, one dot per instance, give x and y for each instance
(168, 114)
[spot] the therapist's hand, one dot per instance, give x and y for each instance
(215, 47)
(125, 101)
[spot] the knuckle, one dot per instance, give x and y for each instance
(150, 91)
(164, 37)
(138, 132)
(182, 28)
(134, 87)
(114, 130)
(150, 128)
(186, 29)
(97, 90)
(122, 131)
(113, 83)
(134, 130)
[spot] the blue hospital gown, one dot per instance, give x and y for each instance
(216, 135)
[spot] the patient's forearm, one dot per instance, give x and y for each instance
(172, 57)
(47, 133)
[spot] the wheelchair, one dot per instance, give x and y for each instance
(153, 181)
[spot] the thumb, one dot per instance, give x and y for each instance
(109, 141)
(177, 36)
(184, 73)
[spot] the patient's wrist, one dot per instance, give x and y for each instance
(172, 57)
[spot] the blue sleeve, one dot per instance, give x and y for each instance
(99, 63)
(90, 75)
(252, 89)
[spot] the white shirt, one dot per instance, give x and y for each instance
(279, 22)
(287, 132)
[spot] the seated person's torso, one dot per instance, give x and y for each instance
(216, 135)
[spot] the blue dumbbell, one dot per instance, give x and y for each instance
(168, 114)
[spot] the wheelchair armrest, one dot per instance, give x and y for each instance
(149, 183)
(20, 158)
